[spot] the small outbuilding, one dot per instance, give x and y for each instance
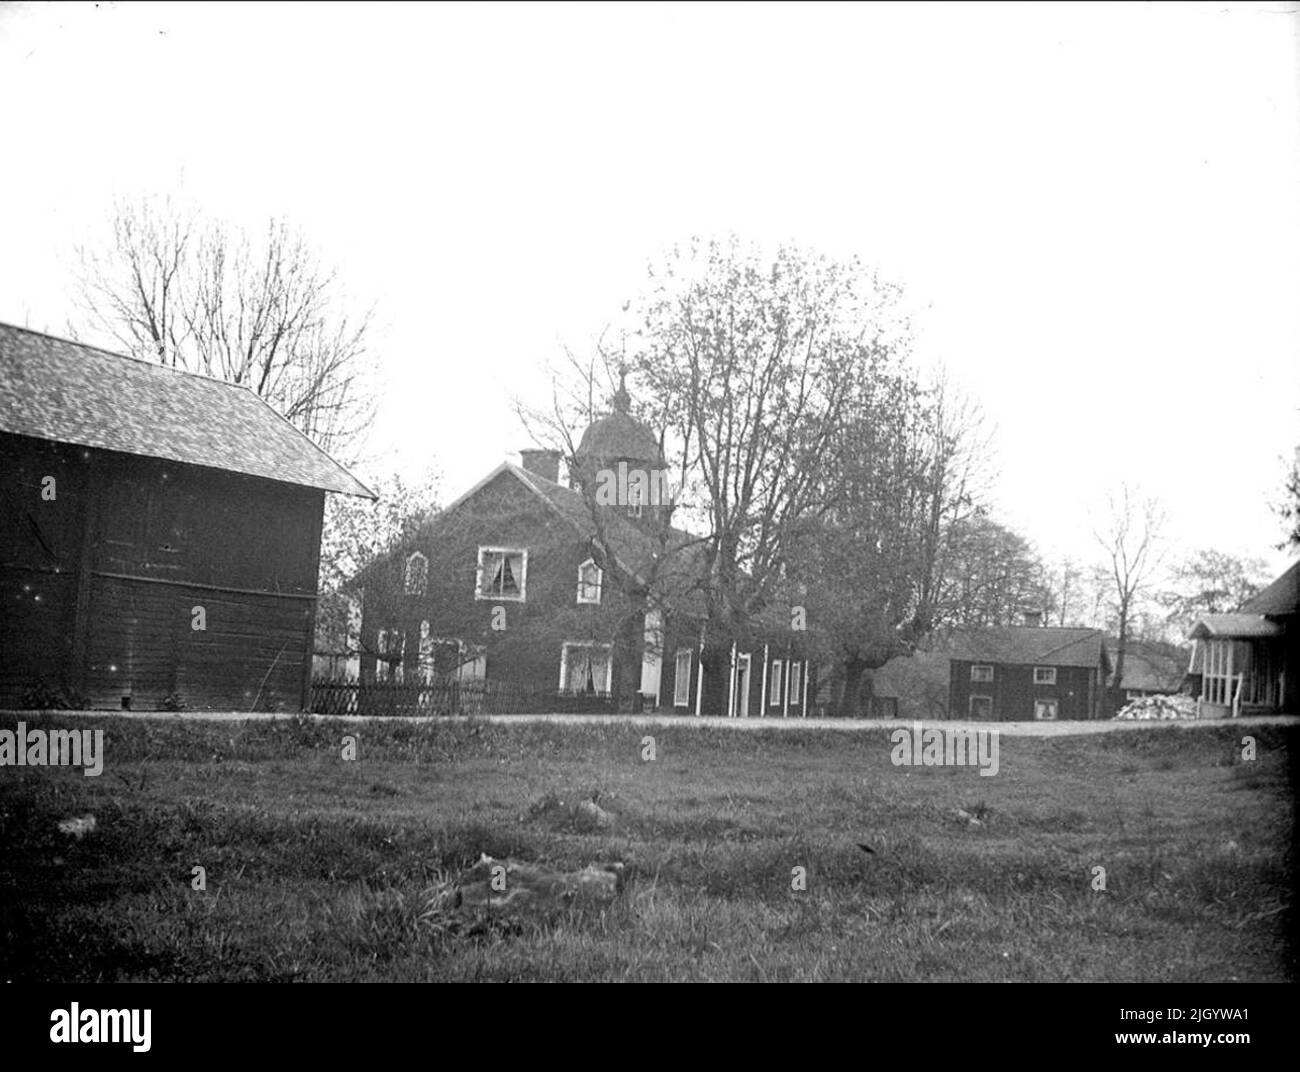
(1248, 662)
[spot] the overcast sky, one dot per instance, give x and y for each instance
(1095, 208)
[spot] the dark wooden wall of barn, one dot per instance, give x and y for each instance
(1077, 692)
(100, 584)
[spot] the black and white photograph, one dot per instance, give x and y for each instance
(756, 492)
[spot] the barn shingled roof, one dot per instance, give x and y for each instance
(68, 392)
(1235, 626)
(1280, 598)
(1031, 645)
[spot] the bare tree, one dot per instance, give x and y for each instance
(1129, 537)
(194, 294)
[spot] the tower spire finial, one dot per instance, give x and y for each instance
(622, 401)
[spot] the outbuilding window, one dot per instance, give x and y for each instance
(981, 673)
(1044, 675)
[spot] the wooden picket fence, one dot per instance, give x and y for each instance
(352, 697)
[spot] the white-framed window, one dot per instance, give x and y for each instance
(584, 667)
(981, 707)
(502, 574)
(392, 649)
(1045, 710)
(589, 582)
(682, 678)
(447, 659)
(417, 574)
(793, 676)
(776, 683)
(1044, 675)
(981, 673)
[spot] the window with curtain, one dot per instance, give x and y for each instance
(776, 683)
(502, 573)
(585, 668)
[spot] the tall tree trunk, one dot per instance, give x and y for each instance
(716, 660)
(1116, 694)
(626, 686)
(857, 686)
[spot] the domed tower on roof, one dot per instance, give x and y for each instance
(620, 459)
(619, 437)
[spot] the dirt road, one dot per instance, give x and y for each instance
(1012, 729)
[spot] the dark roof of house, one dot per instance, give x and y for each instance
(1237, 626)
(681, 571)
(619, 436)
(1279, 598)
(635, 548)
(68, 392)
(1031, 646)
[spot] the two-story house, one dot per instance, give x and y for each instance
(529, 581)
(1022, 673)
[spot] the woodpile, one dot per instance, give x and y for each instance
(1158, 708)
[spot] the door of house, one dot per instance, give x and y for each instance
(740, 700)
(1045, 710)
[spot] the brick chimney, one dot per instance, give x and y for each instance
(543, 463)
(1034, 618)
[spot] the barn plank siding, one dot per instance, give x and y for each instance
(99, 584)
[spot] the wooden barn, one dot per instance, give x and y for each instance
(1029, 672)
(159, 535)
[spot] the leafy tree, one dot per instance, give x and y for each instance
(1288, 508)
(876, 566)
(993, 576)
(815, 466)
(356, 533)
(1211, 582)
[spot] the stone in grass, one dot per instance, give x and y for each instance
(529, 888)
(78, 827)
(589, 815)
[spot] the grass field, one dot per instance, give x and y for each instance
(317, 867)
